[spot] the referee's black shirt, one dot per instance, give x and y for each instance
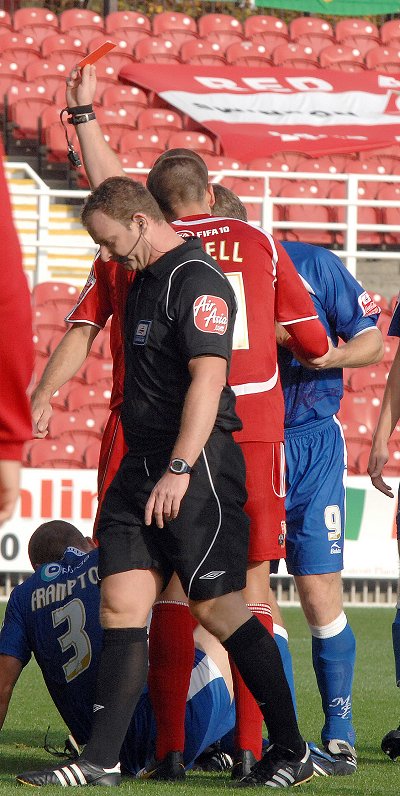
(180, 307)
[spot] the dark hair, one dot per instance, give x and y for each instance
(227, 204)
(176, 181)
(51, 539)
(181, 152)
(120, 198)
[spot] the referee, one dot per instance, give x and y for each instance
(177, 500)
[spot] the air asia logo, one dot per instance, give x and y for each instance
(210, 314)
(368, 305)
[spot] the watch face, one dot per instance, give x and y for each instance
(178, 466)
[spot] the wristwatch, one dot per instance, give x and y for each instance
(179, 467)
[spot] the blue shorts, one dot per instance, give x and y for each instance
(316, 467)
(210, 714)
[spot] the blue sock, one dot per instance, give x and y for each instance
(396, 644)
(281, 638)
(333, 653)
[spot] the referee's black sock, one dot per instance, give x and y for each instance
(257, 657)
(121, 677)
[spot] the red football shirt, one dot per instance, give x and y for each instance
(104, 295)
(267, 288)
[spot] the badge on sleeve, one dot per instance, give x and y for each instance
(368, 305)
(210, 314)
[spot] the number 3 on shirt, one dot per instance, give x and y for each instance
(75, 636)
(241, 333)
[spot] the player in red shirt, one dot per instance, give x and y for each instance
(16, 356)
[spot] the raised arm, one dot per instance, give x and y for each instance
(64, 362)
(99, 160)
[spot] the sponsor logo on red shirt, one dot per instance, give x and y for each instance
(368, 305)
(210, 314)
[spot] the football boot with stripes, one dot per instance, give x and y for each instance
(391, 744)
(74, 774)
(279, 768)
(324, 763)
(171, 767)
(344, 755)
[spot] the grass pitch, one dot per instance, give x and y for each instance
(376, 709)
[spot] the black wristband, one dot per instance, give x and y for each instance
(81, 119)
(80, 109)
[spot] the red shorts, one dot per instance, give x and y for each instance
(265, 483)
(112, 450)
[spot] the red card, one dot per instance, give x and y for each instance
(96, 54)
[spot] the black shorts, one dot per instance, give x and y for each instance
(207, 544)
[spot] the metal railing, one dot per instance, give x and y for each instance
(350, 252)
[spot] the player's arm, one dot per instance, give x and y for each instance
(64, 362)
(208, 378)
(10, 670)
(389, 415)
(365, 348)
(99, 159)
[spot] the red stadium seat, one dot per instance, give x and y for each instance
(369, 378)
(24, 115)
(366, 215)
(355, 27)
(98, 369)
(390, 33)
(89, 420)
(214, 23)
(362, 407)
(294, 55)
(159, 118)
(152, 49)
(48, 315)
(139, 159)
(356, 431)
(125, 96)
(248, 53)
(190, 139)
(38, 17)
(56, 453)
(119, 58)
(224, 38)
(274, 29)
(48, 73)
(123, 118)
(284, 161)
(89, 395)
(220, 162)
(38, 34)
(317, 43)
(386, 59)
(299, 213)
(310, 26)
(390, 215)
(199, 51)
(55, 142)
(126, 40)
(18, 42)
(342, 58)
(80, 18)
(10, 86)
(10, 67)
(390, 346)
(57, 42)
(45, 292)
(168, 21)
(141, 141)
(360, 43)
(384, 323)
(134, 20)
(327, 164)
(91, 455)
(354, 451)
(5, 19)
(45, 340)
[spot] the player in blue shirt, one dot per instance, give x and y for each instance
(388, 419)
(54, 615)
(316, 471)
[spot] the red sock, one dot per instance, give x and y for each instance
(171, 656)
(249, 719)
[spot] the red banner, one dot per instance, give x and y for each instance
(256, 112)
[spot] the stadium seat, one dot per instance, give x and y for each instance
(168, 21)
(356, 450)
(274, 29)
(57, 42)
(38, 34)
(220, 162)
(360, 43)
(341, 58)
(356, 431)
(248, 53)
(54, 138)
(301, 213)
(142, 141)
(214, 23)
(48, 315)
(310, 26)
(10, 67)
(123, 118)
(224, 39)
(80, 18)
(12, 87)
(390, 346)
(366, 215)
(5, 19)
(45, 292)
(152, 49)
(191, 139)
(47, 73)
(89, 395)
(24, 114)
(369, 378)
(98, 369)
(91, 455)
(294, 55)
(119, 58)
(327, 164)
(362, 407)
(390, 215)
(159, 118)
(199, 51)
(124, 96)
(390, 33)
(56, 453)
(41, 17)
(283, 161)
(45, 340)
(134, 20)
(384, 58)
(139, 159)
(89, 420)
(355, 27)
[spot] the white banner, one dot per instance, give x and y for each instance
(370, 549)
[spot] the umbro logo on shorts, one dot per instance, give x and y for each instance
(97, 707)
(216, 573)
